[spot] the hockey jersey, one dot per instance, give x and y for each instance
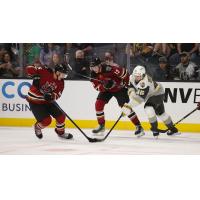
(145, 88)
(47, 84)
(118, 75)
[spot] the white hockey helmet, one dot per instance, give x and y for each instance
(139, 71)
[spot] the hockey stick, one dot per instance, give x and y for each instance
(88, 77)
(89, 139)
(164, 131)
(101, 140)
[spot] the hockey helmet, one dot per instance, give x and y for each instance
(61, 68)
(139, 73)
(96, 61)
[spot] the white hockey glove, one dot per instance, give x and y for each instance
(134, 98)
(131, 90)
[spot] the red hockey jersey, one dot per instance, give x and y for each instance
(47, 83)
(119, 75)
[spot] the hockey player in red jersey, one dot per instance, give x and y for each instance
(47, 87)
(111, 81)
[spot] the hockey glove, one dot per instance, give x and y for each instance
(109, 84)
(48, 96)
(126, 109)
(36, 81)
(131, 93)
(198, 105)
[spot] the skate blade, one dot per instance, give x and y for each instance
(156, 137)
(140, 135)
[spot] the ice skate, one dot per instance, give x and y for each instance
(38, 132)
(173, 131)
(99, 130)
(67, 136)
(155, 133)
(139, 132)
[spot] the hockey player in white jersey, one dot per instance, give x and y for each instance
(143, 89)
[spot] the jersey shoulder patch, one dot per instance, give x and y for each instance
(108, 68)
(142, 84)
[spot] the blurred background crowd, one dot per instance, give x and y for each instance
(163, 61)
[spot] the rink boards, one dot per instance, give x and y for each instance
(78, 101)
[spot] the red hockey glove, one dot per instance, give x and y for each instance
(48, 96)
(109, 84)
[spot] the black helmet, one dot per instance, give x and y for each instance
(61, 68)
(96, 61)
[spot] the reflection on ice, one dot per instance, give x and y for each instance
(23, 141)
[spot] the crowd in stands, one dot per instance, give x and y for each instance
(163, 61)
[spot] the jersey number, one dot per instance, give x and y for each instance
(140, 92)
(117, 71)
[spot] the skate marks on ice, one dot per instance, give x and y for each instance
(22, 141)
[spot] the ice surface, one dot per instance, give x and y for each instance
(21, 140)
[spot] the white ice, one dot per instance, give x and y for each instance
(15, 140)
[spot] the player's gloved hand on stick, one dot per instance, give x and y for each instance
(48, 96)
(109, 84)
(36, 81)
(126, 110)
(131, 93)
(198, 105)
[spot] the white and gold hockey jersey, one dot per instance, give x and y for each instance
(144, 89)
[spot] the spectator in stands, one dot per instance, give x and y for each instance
(59, 48)
(87, 49)
(186, 69)
(81, 65)
(46, 54)
(109, 59)
(8, 68)
(162, 72)
(56, 59)
(12, 49)
(173, 48)
(161, 49)
(174, 58)
(190, 48)
(120, 54)
(135, 49)
(32, 53)
(2, 52)
(147, 49)
(99, 49)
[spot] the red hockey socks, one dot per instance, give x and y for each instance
(60, 124)
(99, 106)
(134, 119)
(44, 123)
